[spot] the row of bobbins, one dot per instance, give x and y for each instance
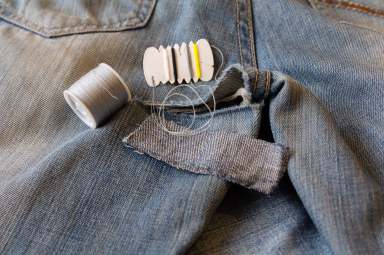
(178, 64)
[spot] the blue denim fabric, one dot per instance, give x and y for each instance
(326, 104)
(315, 72)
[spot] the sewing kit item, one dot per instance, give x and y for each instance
(97, 95)
(178, 64)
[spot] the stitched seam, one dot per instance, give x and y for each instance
(349, 5)
(245, 36)
(25, 21)
(267, 84)
(256, 81)
(251, 38)
(140, 17)
(238, 31)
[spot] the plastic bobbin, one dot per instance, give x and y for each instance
(97, 95)
(178, 63)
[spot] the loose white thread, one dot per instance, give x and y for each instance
(100, 92)
(97, 95)
(186, 131)
(190, 129)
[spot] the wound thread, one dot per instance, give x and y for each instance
(174, 63)
(97, 95)
(197, 60)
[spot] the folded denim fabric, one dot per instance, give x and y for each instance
(238, 158)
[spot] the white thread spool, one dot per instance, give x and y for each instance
(97, 95)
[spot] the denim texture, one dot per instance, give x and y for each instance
(252, 163)
(52, 18)
(314, 70)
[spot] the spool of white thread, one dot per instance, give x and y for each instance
(97, 95)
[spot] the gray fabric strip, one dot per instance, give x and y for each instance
(250, 162)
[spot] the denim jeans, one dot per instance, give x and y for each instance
(296, 168)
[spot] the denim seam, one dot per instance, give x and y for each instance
(350, 5)
(254, 89)
(267, 84)
(140, 18)
(245, 35)
(238, 31)
(251, 38)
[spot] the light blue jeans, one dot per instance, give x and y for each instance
(296, 168)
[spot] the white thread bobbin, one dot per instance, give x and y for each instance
(97, 95)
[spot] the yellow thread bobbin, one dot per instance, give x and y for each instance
(197, 60)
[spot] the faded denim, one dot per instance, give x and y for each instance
(314, 70)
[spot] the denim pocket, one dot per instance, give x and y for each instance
(362, 13)
(51, 18)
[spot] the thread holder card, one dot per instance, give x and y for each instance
(179, 64)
